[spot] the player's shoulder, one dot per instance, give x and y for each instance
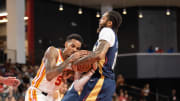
(51, 49)
(107, 29)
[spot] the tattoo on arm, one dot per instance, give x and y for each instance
(63, 65)
(50, 63)
(96, 55)
(50, 58)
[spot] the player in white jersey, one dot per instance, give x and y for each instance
(101, 85)
(50, 76)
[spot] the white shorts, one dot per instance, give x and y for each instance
(33, 94)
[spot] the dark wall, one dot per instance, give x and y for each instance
(154, 29)
(145, 66)
(52, 26)
(2, 6)
(158, 66)
(162, 87)
(128, 32)
(178, 28)
(127, 66)
(157, 29)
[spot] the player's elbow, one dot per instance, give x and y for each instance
(77, 88)
(51, 48)
(99, 56)
(48, 77)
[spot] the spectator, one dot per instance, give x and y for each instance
(122, 96)
(10, 97)
(150, 49)
(126, 94)
(145, 93)
(120, 84)
(173, 96)
(115, 97)
(171, 50)
(158, 50)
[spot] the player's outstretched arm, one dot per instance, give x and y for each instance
(50, 58)
(79, 83)
(10, 81)
(96, 55)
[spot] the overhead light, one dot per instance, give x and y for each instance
(80, 11)
(3, 14)
(132, 46)
(168, 12)
(61, 7)
(124, 11)
(98, 15)
(140, 15)
(26, 18)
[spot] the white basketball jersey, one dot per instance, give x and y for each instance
(42, 83)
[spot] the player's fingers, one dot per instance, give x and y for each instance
(16, 83)
(78, 55)
(74, 67)
(83, 52)
(95, 66)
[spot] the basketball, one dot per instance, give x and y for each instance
(83, 67)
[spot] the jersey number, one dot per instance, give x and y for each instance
(58, 80)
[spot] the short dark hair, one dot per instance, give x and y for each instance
(116, 19)
(74, 36)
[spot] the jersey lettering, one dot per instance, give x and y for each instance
(58, 80)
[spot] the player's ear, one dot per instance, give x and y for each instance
(109, 23)
(66, 44)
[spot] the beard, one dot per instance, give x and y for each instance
(101, 26)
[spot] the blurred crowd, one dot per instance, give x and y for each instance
(25, 73)
(158, 49)
(126, 92)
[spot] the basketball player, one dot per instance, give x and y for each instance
(78, 84)
(101, 86)
(49, 76)
(10, 81)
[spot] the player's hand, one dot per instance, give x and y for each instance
(67, 74)
(94, 66)
(78, 55)
(11, 81)
(74, 67)
(92, 70)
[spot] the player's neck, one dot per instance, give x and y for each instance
(64, 55)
